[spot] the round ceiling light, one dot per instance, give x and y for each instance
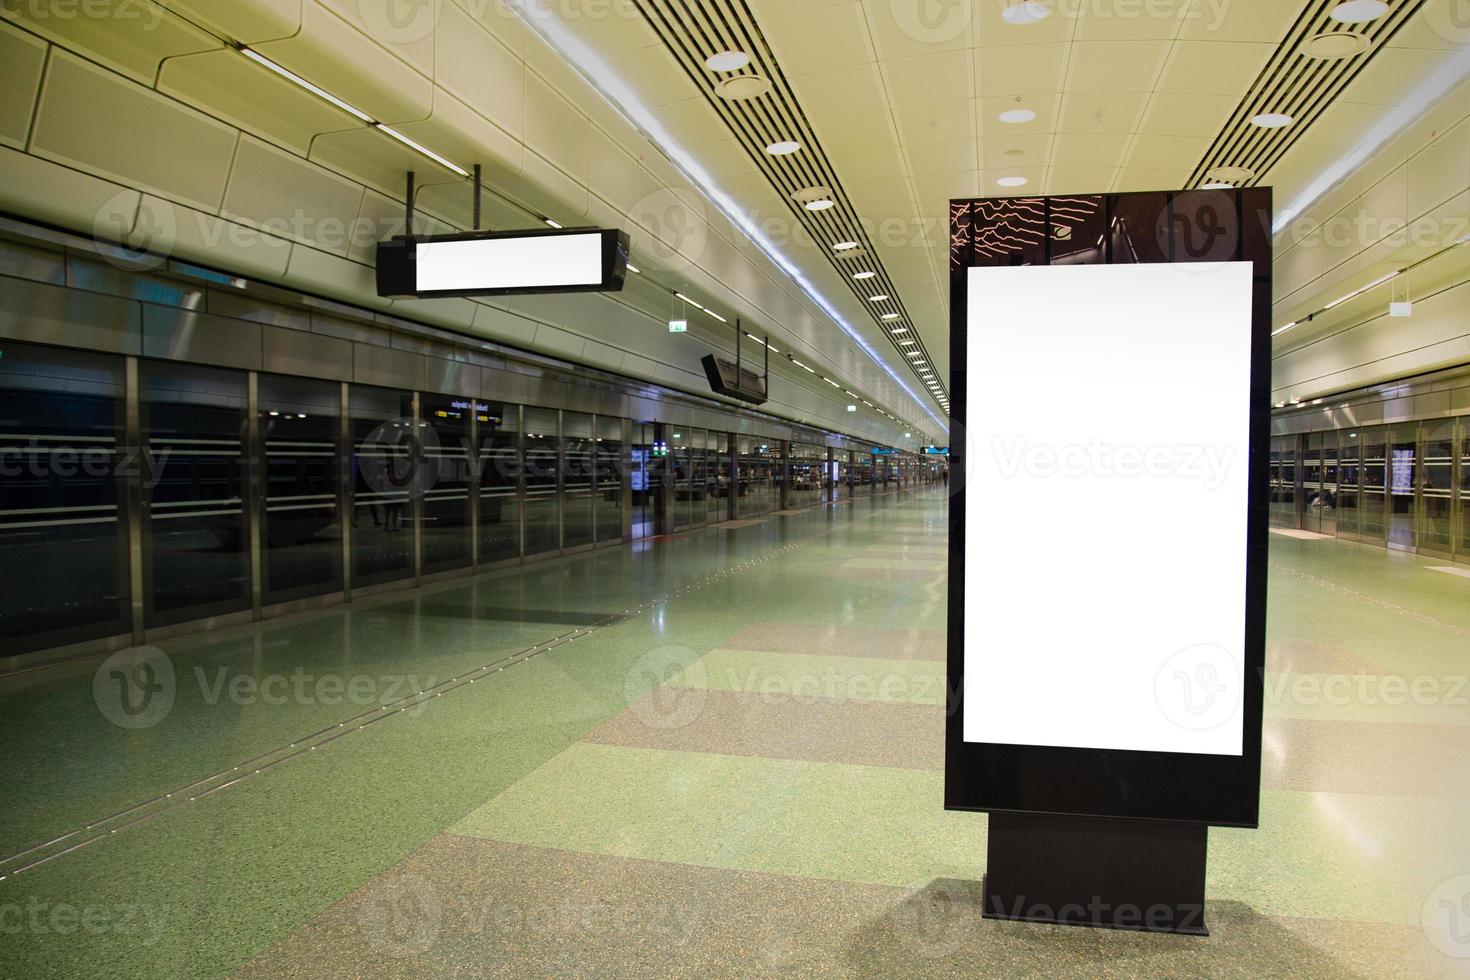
(1025, 12)
(844, 246)
(878, 299)
(727, 61)
(782, 147)
(1217, 185)
(821, 205)
(807, 195)
(891, 316)
(1230, 173)
(1358, 11)
(1017, 116)
(864, 275)
(1271, 120)
(1332, 45)
(742, 87)
(853, 253)
(1012, 181)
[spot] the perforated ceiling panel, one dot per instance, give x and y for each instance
(696, 30)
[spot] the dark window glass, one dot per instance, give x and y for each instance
(578, 488)
(1374, 504)
(609, 479)
(1437, 495)
(385, 475)
(717, 478)
(301, 530)
(500, 467)
(445, 533)
(543, 446)
(196, 546)
(1463, 551)
(642, 478)
(1402, 459)
(64, 575)
(1348, 476)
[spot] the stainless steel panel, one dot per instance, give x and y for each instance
(62, 317)
(451, 377)
(307, 354)
(503, 385)
(254, 487)
(1431, 404)
(387, 368)
(29, 262)
(243, 306)
(182, 335)
(95, 275)
(360, 333)
(1460, 399)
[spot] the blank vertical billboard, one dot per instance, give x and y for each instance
(1109, 504)
(1105, 631)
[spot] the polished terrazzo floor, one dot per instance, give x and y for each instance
(740, 779)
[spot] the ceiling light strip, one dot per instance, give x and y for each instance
(599, 75)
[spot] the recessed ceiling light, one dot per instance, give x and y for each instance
(1358, 11)
(1230, 173)
(821, 205)
(907, 343)
(1332, 45)
(891, 316)
(727, 61)
(806, 195)
(899, 330)
(553, 222)
(844, 246)
(878, 299)
(782, 147)
(1271, 120)
(1012, 181)
(1025, 12)
(1017, 116)
(864, 275)
(1217, 185)
(740, 87)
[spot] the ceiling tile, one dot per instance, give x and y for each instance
(1115, 66)
(937, 121)
(843, 32)
(1167, 152)
(840, 90)
(1101, 112)
(921, 80)
(999, 152)
(1213, 67)
(1172, 114)
(1021, 68)
(941, 156)
(1150, 20)
(1241, 20)
(1045, 106)
(1089, 149)
(1080, 180)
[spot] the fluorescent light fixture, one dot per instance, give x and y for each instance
(1282, 330)
(552, 222)
(434, 156)
(1361, 290)
(634, 268)
(803, 366)
(539, 16)
(1433, 89)
(832, 383)
(1017, 116)
(320, 93)
(715, 315)
(782, 148)
(1216, 185)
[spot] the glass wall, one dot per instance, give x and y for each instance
(543, 465)
(609, 479)
(806, 475)
(717, 461)
(500, 487)
(1373, 516)
(578, 476)
(301, 528)
(1283, 480)
(196, 549)
(1349, 479)
(1437, 488)
(62, 527)
(758, 460)
(448, 481)
(1463, 548)
(1403, 445)
(644, 479)
(385, 474)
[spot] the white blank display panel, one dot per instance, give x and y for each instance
(1106, 498)
(539, 261)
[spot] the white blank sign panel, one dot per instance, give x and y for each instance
(1105, 506)
(536, 261)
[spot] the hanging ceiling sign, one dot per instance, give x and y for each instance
(553, 260)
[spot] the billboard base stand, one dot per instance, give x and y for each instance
(1104, 872)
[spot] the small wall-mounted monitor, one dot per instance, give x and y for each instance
(736, 381)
